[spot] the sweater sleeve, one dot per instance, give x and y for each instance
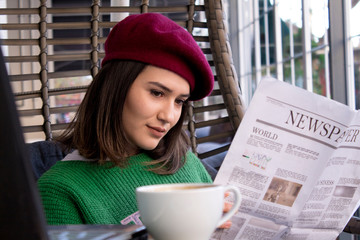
(58, 205)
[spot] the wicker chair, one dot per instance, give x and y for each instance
(38, 53)
(38, 74)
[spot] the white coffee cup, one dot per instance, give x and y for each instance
(184, 211)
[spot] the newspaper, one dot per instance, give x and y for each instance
(296, 160)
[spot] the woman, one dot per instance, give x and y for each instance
(128, 129)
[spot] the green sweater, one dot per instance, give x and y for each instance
(83, 192)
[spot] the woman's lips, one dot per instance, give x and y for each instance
(157, 132)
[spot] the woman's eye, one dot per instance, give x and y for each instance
(156, 93)
(180, 101)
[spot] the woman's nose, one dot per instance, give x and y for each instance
(167, 113)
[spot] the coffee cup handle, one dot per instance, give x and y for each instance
(236, 204)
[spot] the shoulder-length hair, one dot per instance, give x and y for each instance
(97, 131)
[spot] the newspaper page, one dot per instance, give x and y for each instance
(296, 160)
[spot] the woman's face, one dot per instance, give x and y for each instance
(153, 106)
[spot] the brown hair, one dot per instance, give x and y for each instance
(97, 131)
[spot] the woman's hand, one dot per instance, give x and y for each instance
(227, 207)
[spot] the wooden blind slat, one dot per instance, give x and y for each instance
(12, 59)
(23, 77)
(209, 108)
(20, 42)
(212, 122)
(65, 74)
(37, 128)
(213, 138)
(215, 92)
(54, 110)
(52, 92)
(214, 152)
(62, 74)
(18, 11)
(19, 26)
(69, 11)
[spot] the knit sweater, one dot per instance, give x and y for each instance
(84, 192)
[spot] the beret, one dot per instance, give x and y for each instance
(154, 39)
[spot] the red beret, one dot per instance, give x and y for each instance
(155, 39)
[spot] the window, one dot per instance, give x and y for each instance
(290, 40)
(355, 45)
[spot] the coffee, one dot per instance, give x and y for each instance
(176, 188)
(184, 211)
